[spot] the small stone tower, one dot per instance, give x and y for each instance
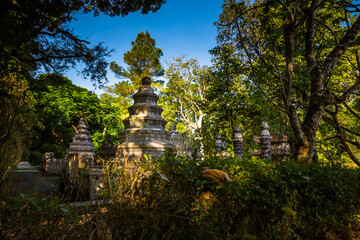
(81, 152)
(82, 141)
(144, 131)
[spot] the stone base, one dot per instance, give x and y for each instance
(144, 135)
(129, 151)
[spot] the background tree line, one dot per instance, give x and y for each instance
(302, 57)
(37, 40)
(293, 64)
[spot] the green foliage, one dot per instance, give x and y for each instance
(37, 217)
(59, 106)
(183, 99)
(232, 100)
(143, 60)
(15, 122)
(48, 42)
(124, 8)
(166, 199)
(290, 201)
(263, 201)
(185, 91)
(284, 50)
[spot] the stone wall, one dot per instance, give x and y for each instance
(53, 166)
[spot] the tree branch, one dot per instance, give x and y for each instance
(310, 36)
(350, 110)
(341, 137)
(340, 48)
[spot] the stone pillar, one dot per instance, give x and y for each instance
(238, 142)
(218, 143)
(48, 156)
(265, 141)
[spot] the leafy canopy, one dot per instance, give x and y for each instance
(36, 35)
(301, 55)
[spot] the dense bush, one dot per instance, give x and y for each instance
(290, 201)
(263, 201)
(167, 200)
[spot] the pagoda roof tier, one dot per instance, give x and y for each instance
(144, 135)
(145, 93)
(143, 109)
(82, 141)
(144, 122)
(143, 97)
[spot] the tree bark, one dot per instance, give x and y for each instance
(319, 98)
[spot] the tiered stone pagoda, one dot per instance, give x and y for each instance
(80, 154)
(82, 142)
(144, 131)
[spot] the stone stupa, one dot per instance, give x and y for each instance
(82, 142)
(144, 132)
(81, 152)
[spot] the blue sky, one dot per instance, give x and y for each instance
(180, 27)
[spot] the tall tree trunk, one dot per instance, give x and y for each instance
(307, 150)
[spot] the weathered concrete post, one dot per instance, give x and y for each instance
(265, 141)
(238, 142)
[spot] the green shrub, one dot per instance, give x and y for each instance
(263, 201)
(165, 200)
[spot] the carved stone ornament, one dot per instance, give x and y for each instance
(238, 142)
(218, 143)
(265, 141)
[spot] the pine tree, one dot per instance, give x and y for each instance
(143, 60)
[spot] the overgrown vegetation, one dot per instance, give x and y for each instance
(294, 64)
(37, 40)
(169, 199)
